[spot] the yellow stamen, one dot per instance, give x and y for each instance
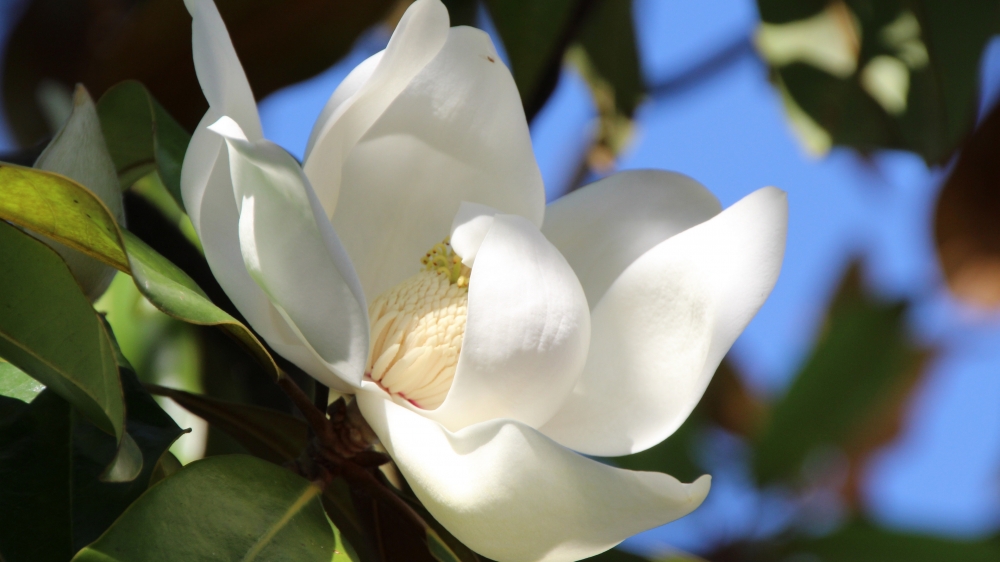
(417, 329)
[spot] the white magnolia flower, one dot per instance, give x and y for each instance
(485, 366)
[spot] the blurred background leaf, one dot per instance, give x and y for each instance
(860, 359)
(863, 542)
(50, 331)
(879, 74)
(61, 42)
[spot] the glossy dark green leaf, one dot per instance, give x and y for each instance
(35, 468)
(142, 137)
(864, 349)
(96, 504)
(61, 209)
(63, 42)
(69, 213)
(235, 507)
(343, 551)
(51, 465)
(15, 383)
(608, 37)
(49, 330)
(864, 542)
(268, 434)
(171, 290)
(272, 436)
(535, 34)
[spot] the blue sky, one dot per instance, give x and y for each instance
(729, 132)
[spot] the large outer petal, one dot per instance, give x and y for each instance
(291, 251)
(228, 93)
(605, 226)
(664, 325)
(205, 179)
(526, 335)
(418, 37)
(511, 494)
(207, 188)
(456, 133)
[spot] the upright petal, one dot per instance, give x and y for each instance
(511, 494)
(526, 335)
(663, 326)
(350, 85)
(418, 37)
(291, 251)
(456, 133)
(219, 70)
(228, 93)
(605, 226)
(206, 182)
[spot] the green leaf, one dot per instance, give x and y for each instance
(51, 468)
(608, 38)
(535, 35)
(171, 290)
(863, 542)
(265, 433)
(14, 383)
(96, 504)
(59, 208)
(69, 213)
(49, 330)
(234, 507)
(35, 467)
(864, 350)
(142, 137)
(78, 152)
(272, 436)
(342, 550)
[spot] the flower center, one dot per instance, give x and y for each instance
(417, 329)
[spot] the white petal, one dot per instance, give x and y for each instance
(526, 334)
(228, 93)
(291, 251)
(511, 494)
(605, 226)
(219, 70)
(664, 325)
(469, 228)
(78, 152)
(418, 37)
(457, 133)
(349, 86)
